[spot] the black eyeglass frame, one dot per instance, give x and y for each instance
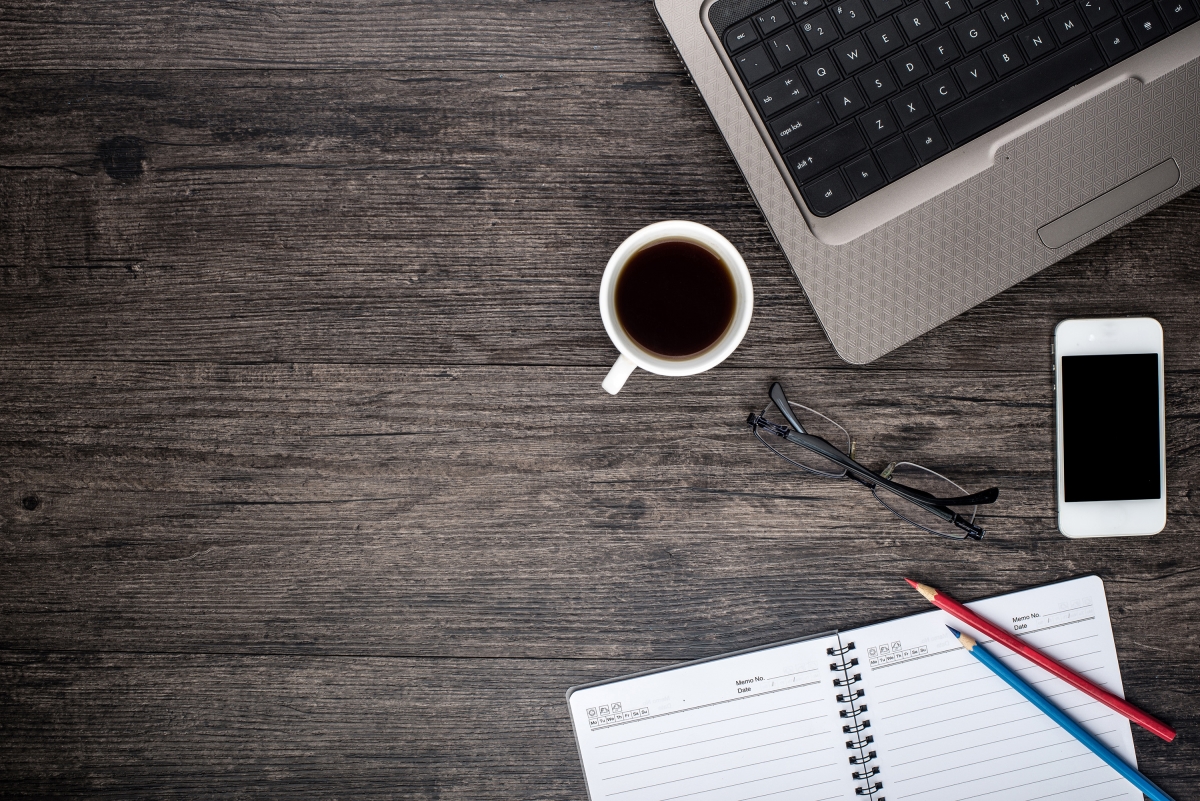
(869, 478)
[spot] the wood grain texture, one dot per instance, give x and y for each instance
(217, 725)
(307, 485)
(359, 34)
(405, 218)
(509, 511)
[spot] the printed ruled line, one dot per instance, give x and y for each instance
(785, 675)
(1039, 781)
(952, 649)
(1022, 769)
(726, 770)
(960, 734)
(1070, 689)
(712, 740)
(993, 759)
(711, 722)
(703, 706)
(1003, 657)
(763, 779)
(1072, 789)
(984, 675)
(791, 790)
(1019, 702)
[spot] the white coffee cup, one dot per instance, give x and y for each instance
(634, 355)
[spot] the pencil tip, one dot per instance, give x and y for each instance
(926, 591)
(954, 631)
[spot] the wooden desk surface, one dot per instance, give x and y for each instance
(307, 484)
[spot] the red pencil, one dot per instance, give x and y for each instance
(948, 604)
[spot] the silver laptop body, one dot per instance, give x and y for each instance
(972, 222)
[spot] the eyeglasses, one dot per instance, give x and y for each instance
(915, 494)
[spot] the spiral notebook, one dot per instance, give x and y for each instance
(894, 711)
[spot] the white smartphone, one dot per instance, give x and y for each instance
(1111, 427)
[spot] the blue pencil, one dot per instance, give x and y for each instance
(1095, 746)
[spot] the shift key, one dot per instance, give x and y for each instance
(821, 155)
(801, 123)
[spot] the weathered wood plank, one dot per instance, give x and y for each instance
(511, 511)
(363, 34)
(432, 217)
(168, 726)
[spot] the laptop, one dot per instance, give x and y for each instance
(915, 157)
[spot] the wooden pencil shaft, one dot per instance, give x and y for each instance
(984, 626)
(1135, 777)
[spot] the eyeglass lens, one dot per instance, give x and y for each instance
(906, 473)
(922, 478)
(814, 423)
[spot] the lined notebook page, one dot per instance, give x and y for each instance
(947, 729)
(761, 725)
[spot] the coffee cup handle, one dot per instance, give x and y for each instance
(618, 375)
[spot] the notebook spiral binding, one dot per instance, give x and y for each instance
(857, 723)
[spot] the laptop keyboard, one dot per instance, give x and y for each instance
(858, 93)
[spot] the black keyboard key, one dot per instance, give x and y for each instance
(740, 36)
(885, 38)
(1004, 17)
(1116, 42)
(827, 194)
(877, 83)
(941, 91)
(884, 7)
(910, 108)
(1098, 12)
(1007, 99)
(896, 158)
(845, 100)
(865, 177)
(1068, 24)
(826, 152)
(1129, 5)
(801, 123)
(819, 31)
(801, 8)
(908, 66)
(754, 64)
(927, 142)
(1036, 41)
(852, 54)
(851, 15)
(949, 10)
(972, 74)
(940, 50)
(820, 72)
(879, 124)
(1035, 8)
(786, 47)
(1004, 57)
(780, 93)
(772, 19)
(1177, 13)
(1146, 25)
(916, 22)
(972, 34)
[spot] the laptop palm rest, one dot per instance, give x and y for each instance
(1111, 204)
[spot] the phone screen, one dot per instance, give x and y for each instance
(1110, 427)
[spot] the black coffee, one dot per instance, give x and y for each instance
(675, 298)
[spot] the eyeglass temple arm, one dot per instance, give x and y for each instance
(785, 408)
(917, 496)
(829, 451)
